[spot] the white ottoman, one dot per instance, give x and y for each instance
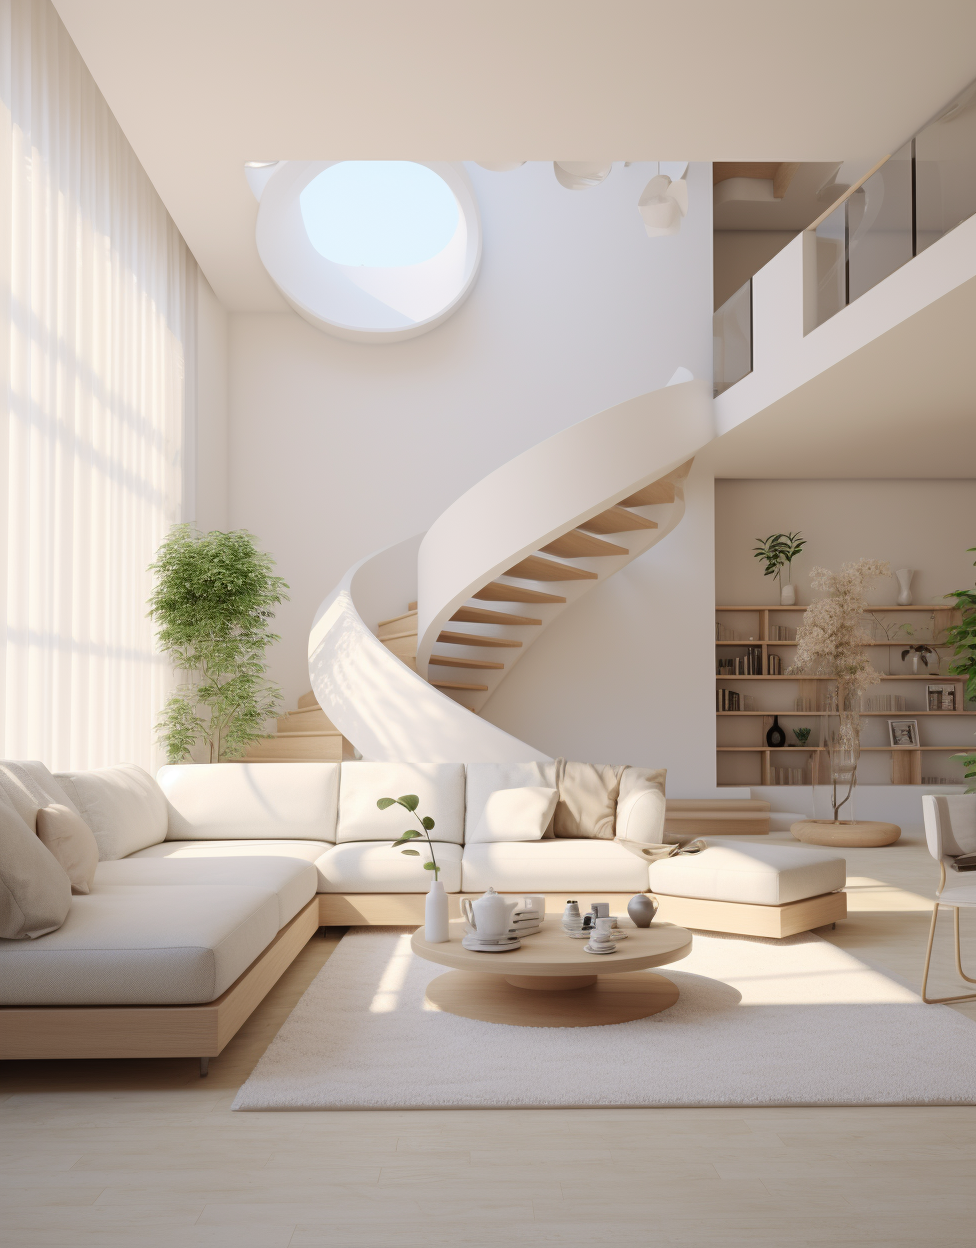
(756, 890)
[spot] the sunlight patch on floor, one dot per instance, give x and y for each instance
(865, 894)
(391, 981)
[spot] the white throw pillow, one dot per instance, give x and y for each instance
(123, 806)
(35, 892)
(515, 815)
(641, 806)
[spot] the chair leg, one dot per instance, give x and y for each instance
(970, 996)
(204, 1067)
(962, 974)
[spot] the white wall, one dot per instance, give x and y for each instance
(337, 449)
(739, 254)
(925, 525)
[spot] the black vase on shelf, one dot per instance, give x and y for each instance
(775, 737)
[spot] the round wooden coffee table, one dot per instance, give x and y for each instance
(551, 982)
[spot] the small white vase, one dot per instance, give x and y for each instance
(905, 586)
(435, 914)
(787, 594)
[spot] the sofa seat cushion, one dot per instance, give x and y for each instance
(373, 867)
(140, 944)
(240, 801)
(304, 851)
(440, 787)
(294, 882)
(561, 866)
(764, 875)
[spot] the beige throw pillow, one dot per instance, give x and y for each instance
(72, 843)
(35, 892)
(515, 815)
(587, 800)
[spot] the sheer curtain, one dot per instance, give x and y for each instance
(97, 295)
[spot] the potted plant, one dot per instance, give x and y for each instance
(212, 603)
(435, 910)
(829, 642)
(778, 552)
(962, 637)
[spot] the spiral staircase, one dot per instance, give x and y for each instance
(492, 573)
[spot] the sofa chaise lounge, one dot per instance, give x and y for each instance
(212, 878)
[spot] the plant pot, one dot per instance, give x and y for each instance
(787, 594)
(435, 915)
(857, 833)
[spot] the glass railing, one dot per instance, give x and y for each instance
(913, 198)
(732, 339)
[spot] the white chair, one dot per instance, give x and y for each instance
(950, 829)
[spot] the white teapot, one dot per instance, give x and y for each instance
(491, 915)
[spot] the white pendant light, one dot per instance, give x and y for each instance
(500, 166)
(662, 205)
(578, 175)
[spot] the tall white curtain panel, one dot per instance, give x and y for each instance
(97, 311)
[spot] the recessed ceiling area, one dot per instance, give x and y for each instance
(202, 86)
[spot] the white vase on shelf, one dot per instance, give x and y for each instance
(787, 594)
(435, 914)
(904, 576)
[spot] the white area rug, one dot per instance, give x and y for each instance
(758, 1022)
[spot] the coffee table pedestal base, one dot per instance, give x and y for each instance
(538, 1001)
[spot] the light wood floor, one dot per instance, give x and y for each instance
(134, 1154)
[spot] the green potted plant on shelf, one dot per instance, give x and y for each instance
(829, 642)
(777, 552)
(962, 637)
(211, 602)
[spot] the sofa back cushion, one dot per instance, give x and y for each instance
(440, 787)
(29, 786)
(641, 805)
(251, 801)
(35, 892)
(483, 779)
(123, 806)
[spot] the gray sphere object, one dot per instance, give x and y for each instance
(642, 910)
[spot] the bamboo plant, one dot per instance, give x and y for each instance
(962, 637)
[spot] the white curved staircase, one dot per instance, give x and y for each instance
(492, 573)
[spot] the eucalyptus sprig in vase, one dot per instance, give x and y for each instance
(435, 910)
(778, 552)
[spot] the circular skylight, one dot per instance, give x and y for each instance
(370, 250)
(380, 213)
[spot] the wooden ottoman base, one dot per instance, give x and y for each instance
(497, 999)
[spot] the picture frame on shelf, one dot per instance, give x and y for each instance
(903, 733)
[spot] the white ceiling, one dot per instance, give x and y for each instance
(902, 406)
(200, 86)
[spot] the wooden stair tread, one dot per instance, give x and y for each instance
(443, 660)
(533, 568)
(395, 619)
(458, 684)
(307, 701)
(397, 636)
(657, 492)
(478, 615)
(617, 520)
(475, 639)
(579, 545)
(495, 591)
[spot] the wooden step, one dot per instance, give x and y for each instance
(533, 568)
(403, 626)
(657, 492)
(478, 615)
(617, 520)
(410, 632)
(443, 660)
(457, 684)
(310, 719)
(297, 747)
(411, 606)
(495, 591)
(404, 646)
(579, 545)
(307, 700)
(475, 639)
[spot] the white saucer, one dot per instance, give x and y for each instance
(589, 949)
(490, 946)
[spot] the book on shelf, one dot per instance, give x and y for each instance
(788, 775)
(724, 633)
(774, 665)
(748, 664)
(885, 702)
(781, 632)
(941, 697)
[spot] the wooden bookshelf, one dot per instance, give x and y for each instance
(749, 739)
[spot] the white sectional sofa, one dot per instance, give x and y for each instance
(211, 880)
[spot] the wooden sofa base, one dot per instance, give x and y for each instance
(739, 918)
(79, 1031)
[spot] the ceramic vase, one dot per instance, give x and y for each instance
(642, 910)
(435, 914)
(787, 594)
(775, 737)
(904, 576)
